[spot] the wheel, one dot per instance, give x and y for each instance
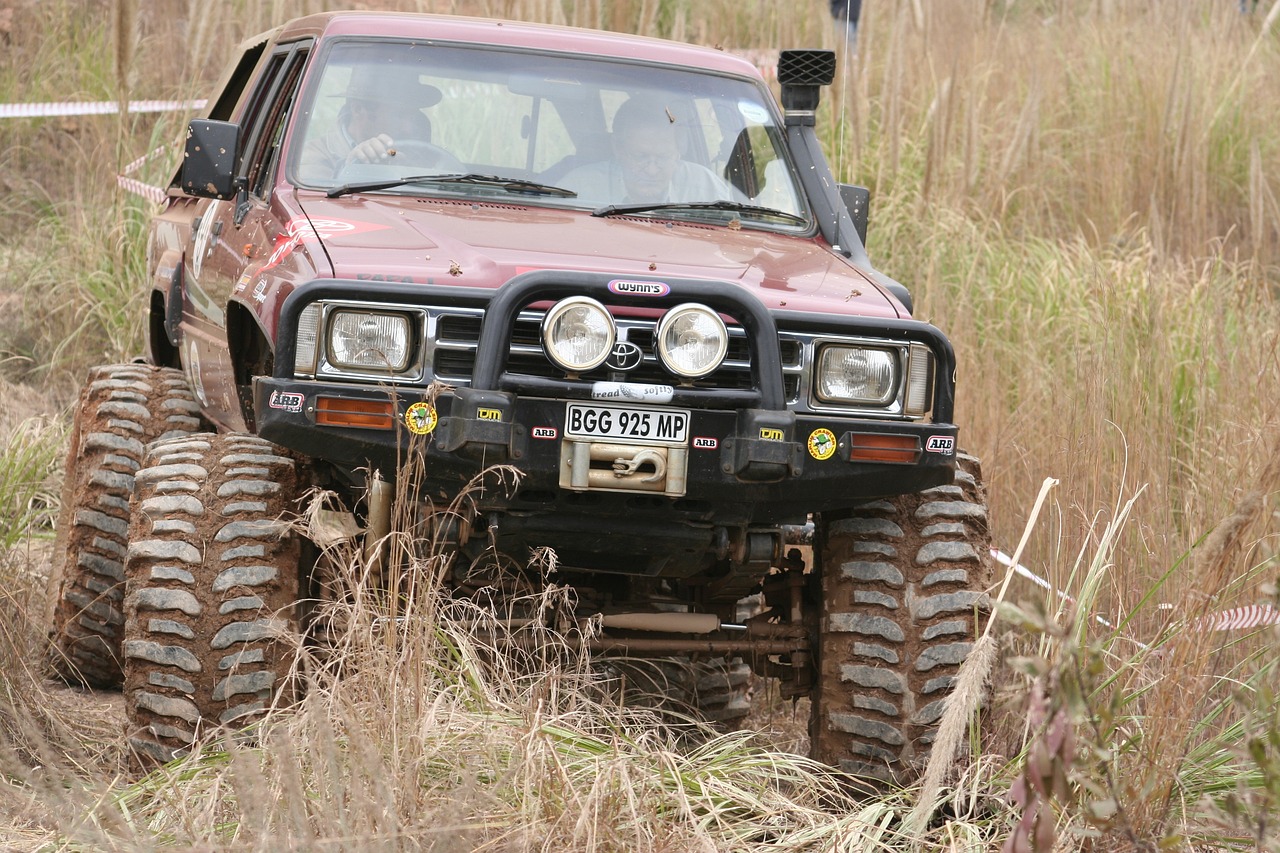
(212, 588)
(711, 690)
(121, 408)
(902, 581)
(413, 152)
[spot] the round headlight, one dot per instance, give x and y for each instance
(578, 334)
(362, 340)
(692, 340)
(861, 376)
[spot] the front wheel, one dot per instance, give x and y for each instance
(902, 584)
(212, 588)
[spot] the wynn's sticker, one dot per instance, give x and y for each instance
(639, 288)
(940, 444)
(822, 444)
(287, 401)
(420, 418)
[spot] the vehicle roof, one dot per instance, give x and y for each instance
(515, 34)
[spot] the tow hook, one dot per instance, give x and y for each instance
(623, 467)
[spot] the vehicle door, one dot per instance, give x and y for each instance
(232, 235)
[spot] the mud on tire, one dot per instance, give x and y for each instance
(121, 408)
(212, 588)
(901, 582)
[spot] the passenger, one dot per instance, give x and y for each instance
(382, 114)
(647, 166)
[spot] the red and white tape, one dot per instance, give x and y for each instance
(89, 108)
(1236, 619)
(92, 108)
(137, 187)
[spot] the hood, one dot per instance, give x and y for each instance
(484, 243)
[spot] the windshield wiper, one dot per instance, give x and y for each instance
(735, 206)
(512, 185)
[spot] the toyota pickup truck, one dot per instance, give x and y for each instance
(618, 266)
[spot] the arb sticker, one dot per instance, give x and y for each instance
(704, 443)
(940, 444)
(543, 432)
(822, 444)
(420, 418)
(286, 401)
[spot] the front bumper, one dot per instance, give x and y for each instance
(745, 458)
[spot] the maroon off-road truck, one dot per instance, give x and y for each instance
(613, 263)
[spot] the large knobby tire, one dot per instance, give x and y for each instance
(710, 690)
(121, 408)
(212, 592)
(903, 582)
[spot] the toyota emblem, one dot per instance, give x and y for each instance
(625, 356)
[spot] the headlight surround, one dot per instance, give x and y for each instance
(692, 340)
(578, 334)
(369, 341)
(857, 376)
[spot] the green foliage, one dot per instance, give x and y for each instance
(28, 498)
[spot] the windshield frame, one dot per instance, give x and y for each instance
(754, 95)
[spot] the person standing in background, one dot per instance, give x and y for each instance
(845, 13)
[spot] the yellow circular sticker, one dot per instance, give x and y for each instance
(822, 444)
(421, 418)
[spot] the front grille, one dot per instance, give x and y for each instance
(457, 334)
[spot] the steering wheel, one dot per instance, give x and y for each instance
(415, 152)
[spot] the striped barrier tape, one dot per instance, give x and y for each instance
(86, 108)
(90, 108)
(1235, 619)
(137, 187)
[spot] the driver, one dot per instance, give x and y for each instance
(383, 106)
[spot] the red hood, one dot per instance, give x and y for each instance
(483, 244)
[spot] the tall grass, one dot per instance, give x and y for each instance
(1081, 194)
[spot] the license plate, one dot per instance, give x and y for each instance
(628, 423)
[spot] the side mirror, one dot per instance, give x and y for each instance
(208, 164)
(857, 200)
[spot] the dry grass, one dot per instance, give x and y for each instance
(1081, 194)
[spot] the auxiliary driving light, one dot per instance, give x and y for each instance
(578, 334)
(692, 340)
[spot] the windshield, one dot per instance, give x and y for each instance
(546, 129)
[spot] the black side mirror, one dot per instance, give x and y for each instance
(857, 200)
(208, 165)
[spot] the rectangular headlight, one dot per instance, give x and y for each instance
(369, 341)
(857, 376)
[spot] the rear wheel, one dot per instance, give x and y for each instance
(903, 581)
(213, 587)
(712, 690)
(121, 408)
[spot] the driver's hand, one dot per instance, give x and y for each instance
(375, 149)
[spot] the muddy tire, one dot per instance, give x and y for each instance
(212, 589)
(121, 408)
(902, 581)
(708, 689)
